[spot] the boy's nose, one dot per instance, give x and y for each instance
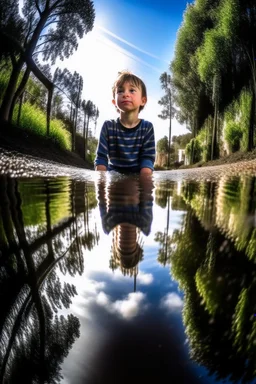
(126, 93)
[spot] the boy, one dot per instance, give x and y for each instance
(127, 144)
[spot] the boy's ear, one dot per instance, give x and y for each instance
(143, 101)
(113, 101)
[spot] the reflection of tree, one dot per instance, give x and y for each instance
(165, 194)
(164, 250)
(33, 340)
(236, 212)
(61, 335)
(211, 263)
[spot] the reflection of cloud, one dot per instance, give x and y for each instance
(127, 308)
(92, 286)
(145, 278)
(142, 277)
(171, 302)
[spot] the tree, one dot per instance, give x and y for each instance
(71, 85)
(166, 101)
(214, 56)
(190, 92)
(90, 111)
(163, 145)
(50, 28)
(182, 140)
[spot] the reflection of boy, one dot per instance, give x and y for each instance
(126, 208)
(127, 144)
(127, 201)
(126, 248)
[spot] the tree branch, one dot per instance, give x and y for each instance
(37, 7)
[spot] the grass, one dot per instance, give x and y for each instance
(34, 119)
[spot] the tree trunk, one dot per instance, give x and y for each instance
(86, 137)
(74, 132)
(170, 129)
(214, 133)
(10, 91)
(18, 92)
(48, 110)
(250, 144)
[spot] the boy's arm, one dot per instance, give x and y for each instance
(101, 160)
(148, 152)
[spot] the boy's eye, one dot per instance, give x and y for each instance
(132, 90)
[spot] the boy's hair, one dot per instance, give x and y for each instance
(127, 76)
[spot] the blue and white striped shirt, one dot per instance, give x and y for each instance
(126, 149)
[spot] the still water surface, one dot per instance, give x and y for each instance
(113, 279)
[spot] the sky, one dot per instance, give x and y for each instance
(134, 35)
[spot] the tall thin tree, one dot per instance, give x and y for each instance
(168, 109)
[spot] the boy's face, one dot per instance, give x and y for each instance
(128, 97)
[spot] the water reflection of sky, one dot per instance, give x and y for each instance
(125, 332)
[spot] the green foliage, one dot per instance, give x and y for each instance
(228, 18)
(194, 150)
(233, 134)
(163, 145)
(92, 147)
(4, 78)
(190, 92)
(237, 118)
(209, 289)
(214, 60)
(34, 119)
(182, 140)
(209, 55)
(241, 312)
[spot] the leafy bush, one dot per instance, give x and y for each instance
(238, 113)
(233, 134)
(194, 151)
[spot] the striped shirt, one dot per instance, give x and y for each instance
(139, 215)
(126, 149)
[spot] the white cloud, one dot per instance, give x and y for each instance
(126, 308)
(171, 302)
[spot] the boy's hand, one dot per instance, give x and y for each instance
(101, 168)
(146, 171)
